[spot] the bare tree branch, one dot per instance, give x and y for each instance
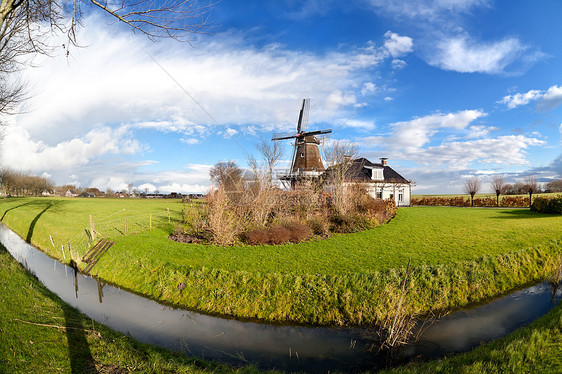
(498, 186)
(471, 187)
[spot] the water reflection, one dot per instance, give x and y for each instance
(291, 348)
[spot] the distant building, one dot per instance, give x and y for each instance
(380, 180)
(70, 193)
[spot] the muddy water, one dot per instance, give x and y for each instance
(292, 348)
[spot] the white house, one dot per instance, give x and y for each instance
(380, 180)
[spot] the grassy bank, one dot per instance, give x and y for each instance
(536, 348)
(459, 256)
(61, 340)
(41, 334)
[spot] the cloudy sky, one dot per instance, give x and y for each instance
(445, 89)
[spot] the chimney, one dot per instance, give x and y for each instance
(383, 161)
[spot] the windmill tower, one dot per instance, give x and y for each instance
(307, 161)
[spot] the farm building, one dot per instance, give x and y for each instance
(381, 180)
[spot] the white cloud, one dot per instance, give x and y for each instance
(190, 141)
(412, 141)
(513, 101)
(397, 45)
(508, 150)
(426, 9)
(551, 99)
(417, 132)
(231, 132)
(338, 98)
(466, 56)
(398, 64)
(479, 131)
(22, 151)
(149, 187)
(546, 100)
(369, 88)
(115, 81)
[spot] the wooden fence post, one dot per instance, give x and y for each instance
(150, 220)
(92, 228)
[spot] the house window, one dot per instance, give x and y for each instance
(379, 194)
(391, 196)
(400, 196)
(377, 174)
(313, 169)
(302, 155)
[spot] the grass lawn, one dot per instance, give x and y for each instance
(61, 340)
(56, 338)
(459, 256)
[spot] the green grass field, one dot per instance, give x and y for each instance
(56, 338)
(41, 334)
(459, 256)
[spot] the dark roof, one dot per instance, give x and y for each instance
(360, 171)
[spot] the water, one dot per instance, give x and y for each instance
(291, 348)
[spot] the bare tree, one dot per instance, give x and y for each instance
(531, 187)
(554, 186)
(271, 153)
(471, 187)
(26, 27)
(339, 156)
(498, 186)
(226, 174)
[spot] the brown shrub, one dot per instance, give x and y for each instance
(293, 232)
(514, 202)
(222, 221)
(319, 225)
(485, 201)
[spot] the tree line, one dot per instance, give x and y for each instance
(529, 186)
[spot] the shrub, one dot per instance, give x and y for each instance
(485, 201)
(514, 202)
(319, 225)
(293, 232)
(223, 223)
(348, 223)
(442, 201)
(547, 205)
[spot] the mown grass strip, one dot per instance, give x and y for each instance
(327, 299)
(41, 334)
(81, 345)
(459, 256)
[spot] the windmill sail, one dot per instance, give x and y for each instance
(306, 160)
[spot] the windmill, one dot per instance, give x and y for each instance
(306, 161)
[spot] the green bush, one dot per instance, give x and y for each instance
(348, 223)
(547, 205)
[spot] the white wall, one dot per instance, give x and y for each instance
(400, 192)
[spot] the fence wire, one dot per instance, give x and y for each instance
(120, 223)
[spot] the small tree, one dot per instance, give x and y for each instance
(271, 153)
(226, 174)
(498, 186)
(339, 157)
(471, 187)
(554, 186)
(531, 187)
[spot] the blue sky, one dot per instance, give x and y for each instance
(445, 89)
